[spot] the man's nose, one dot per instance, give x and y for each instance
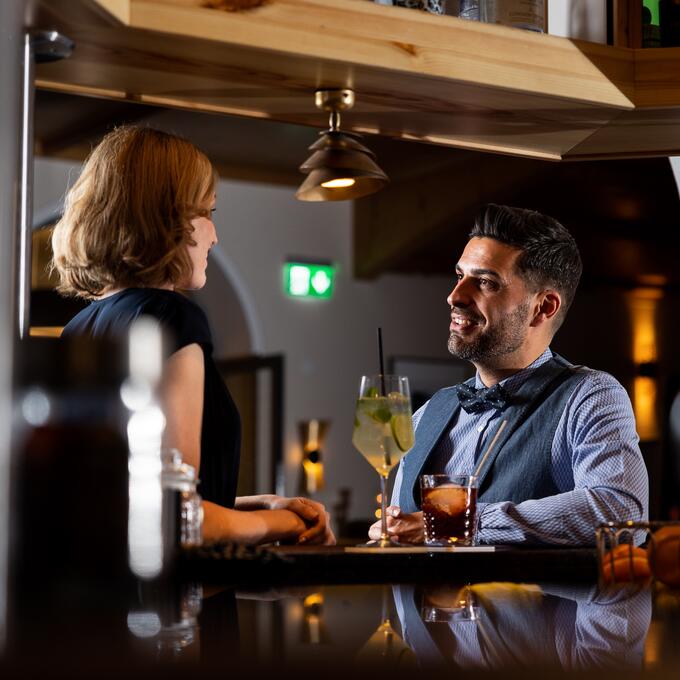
(458, 297)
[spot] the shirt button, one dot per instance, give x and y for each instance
(480, 428)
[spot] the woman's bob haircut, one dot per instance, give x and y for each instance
(126, 221)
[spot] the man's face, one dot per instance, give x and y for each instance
(490, 304)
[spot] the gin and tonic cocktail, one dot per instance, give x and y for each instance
(383, 431)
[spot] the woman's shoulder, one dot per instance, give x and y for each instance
(176, 313)
(164, 304)
(183, 319)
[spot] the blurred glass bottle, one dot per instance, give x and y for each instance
(182, 510)
(526, 14)
(432, 6)
(69, 489)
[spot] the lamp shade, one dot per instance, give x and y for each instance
(340, 168)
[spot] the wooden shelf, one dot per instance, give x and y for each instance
(435, 79)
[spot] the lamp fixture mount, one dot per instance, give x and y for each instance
(340, 167)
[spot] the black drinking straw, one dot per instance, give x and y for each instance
(380, 358)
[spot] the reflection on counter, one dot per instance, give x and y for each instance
(504, 625)
(392, 630)
(491, 626)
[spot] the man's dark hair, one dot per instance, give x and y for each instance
(549, 258)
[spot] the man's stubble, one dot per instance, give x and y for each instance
(505, 337)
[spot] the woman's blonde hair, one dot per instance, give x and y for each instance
(126, 220)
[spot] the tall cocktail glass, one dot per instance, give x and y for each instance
(383, 432)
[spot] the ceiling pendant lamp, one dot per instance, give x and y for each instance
(341, 167)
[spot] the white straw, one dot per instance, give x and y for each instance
(490, 447)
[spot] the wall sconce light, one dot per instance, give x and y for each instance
(312, 435)
(340, 167)
(643, 304)
(314, 631)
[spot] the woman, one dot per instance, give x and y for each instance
(137, 227)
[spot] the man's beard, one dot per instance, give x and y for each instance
(506, 336)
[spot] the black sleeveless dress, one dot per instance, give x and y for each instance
(184, 323)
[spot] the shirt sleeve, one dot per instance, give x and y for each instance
(596, 457)
(184, 323)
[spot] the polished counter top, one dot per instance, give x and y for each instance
(335, 565)
(302, 611)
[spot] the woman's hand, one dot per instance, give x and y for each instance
(403, 527)
(312, 513)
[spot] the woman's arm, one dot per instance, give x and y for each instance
(313, 514)
(255, 526)
(182, 401)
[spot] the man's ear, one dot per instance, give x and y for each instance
(548, 303)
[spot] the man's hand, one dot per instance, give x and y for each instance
(402, 526)
(313, 514)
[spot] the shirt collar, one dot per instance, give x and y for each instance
(513, 382)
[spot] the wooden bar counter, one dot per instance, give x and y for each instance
(335, 565)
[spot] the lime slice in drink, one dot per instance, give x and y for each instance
(402, 431)
(371, 393)
(381, 414)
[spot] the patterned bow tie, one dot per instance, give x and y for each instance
(476, 401)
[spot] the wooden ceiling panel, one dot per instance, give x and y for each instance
(440, 80)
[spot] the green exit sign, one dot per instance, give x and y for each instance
(305, 280)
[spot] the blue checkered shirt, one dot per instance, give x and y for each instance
(596, 465)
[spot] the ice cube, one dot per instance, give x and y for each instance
(448, 500)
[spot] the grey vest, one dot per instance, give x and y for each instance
(520, 466)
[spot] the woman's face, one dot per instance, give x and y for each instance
(205, 237)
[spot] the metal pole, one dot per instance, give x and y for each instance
(25, 225)
(11, 68)
(39, 47)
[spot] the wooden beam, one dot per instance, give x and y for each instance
(434, 79)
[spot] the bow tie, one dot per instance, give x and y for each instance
(476, 401)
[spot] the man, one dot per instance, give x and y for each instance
(568, 458)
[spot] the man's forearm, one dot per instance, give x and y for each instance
(568, 518)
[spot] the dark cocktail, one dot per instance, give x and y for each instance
(448, 505)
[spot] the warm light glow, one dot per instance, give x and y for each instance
(313, 475)
(312, 443)
(644, 405)
(643, 303)
(378, 513)
(312, 434)
(45, 331)
(340, 183)
(313, 599)
(653, 645)
(314, 632)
